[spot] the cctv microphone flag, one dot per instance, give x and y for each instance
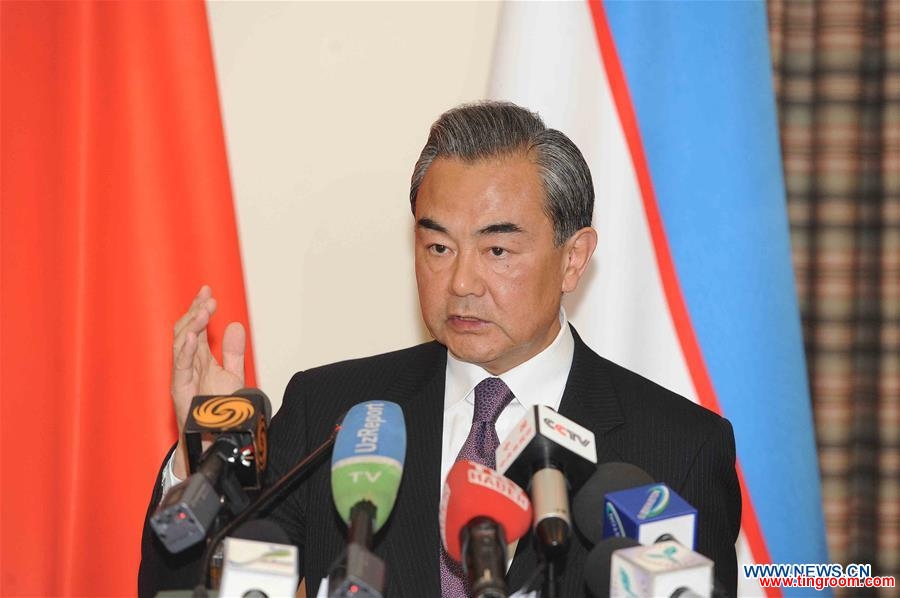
(647, 512)
(245, 415)
(551, 456)
(543, 433)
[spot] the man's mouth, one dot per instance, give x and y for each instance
(466, 322)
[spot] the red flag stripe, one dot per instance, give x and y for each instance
(116, 207)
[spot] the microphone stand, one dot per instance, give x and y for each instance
(276, 491)
(549, 580)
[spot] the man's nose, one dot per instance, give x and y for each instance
(467, 279)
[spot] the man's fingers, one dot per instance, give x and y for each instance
(234, 345)
(196, 325)
(208, 306)
(183, 364)
(202, 295)
(207, 310)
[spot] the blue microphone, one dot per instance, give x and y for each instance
(649, 512)
(366, 469)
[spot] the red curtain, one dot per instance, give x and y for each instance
(116, 207)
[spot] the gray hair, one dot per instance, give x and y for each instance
(474, 132)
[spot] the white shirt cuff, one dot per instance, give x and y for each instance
(169, 479)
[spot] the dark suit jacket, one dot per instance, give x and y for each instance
(685, 446)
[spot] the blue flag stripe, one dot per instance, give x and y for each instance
(704, 103)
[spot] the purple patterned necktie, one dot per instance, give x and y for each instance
(492, 395)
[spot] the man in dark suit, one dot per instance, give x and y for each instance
(502, 209)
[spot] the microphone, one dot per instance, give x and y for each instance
(649, 512)
(598, 563)
(244, 415)
(234, 462)
(622, 500)
(366, 469)
(269, 496)
(259, 560)
(589, 503)
(481, 511)
(548, 454)
(666, 568)
(622, 504)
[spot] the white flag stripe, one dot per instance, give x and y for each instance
(547, 59)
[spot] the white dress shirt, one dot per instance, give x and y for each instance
(539, 381)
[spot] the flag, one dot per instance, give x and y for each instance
(116, 207)
(692, 286)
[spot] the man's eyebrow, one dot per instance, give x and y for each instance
(490, 229)
(430, 225)
(501, 227)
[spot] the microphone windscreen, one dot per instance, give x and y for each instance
(255, 392)
(261, 530)
(598, 564)
(588, 506)
(367, 463)
(473, 490)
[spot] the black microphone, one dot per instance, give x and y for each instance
(233, 463)
(268, 496)
(548, 454)
(598, 565)
(589, 504)
(261, 530)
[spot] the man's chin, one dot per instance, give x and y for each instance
(493, 362)
(469, 355)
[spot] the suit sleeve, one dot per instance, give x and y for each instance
(711, 485)
(287, 446)
(160, 569)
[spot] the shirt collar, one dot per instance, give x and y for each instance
(532, 382)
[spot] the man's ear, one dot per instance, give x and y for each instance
(578, 249)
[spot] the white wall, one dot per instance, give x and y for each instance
(326, 107)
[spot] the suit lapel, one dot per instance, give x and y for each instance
(590, 400)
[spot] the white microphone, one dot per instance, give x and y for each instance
(663, 569)
(259, 561)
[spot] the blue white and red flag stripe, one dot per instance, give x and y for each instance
(673, 105)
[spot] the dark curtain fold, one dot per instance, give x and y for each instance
(837, 80)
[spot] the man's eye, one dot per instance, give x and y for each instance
(498, 251)
(438, 249)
